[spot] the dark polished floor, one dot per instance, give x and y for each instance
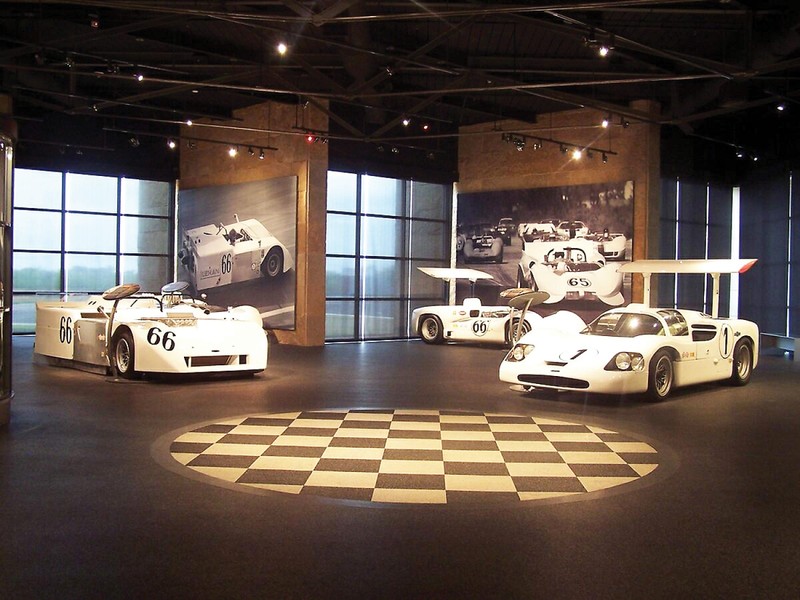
(88, 511)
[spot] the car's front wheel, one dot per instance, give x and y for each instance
(272, 265)
(430, 330)
(124, 354)
(660, 376)
(742, 363)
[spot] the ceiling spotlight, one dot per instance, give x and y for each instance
(233, 151)
(171, 144)
(755, 158)
(605, 158)
(603, 50)
(605, 122)
(388, 70)
(133, 141)
(261, 155)
(94, 21)
(589, 153)
(191, 144)
(577, 154)
(282, 48)
(311, 138)
(395, 150)
(425, 127)
(250, 151)
(781, 107)
(189, 122)
(519, 144)
(625, 123)
(739, 154)
(406, 121)
(69, 62)
(431, 156)
(380, 148)
(563, 148)
(138, 77)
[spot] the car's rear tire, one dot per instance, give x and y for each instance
(660, 376)
(742, 363)
(511, 331)
(124, 354)
(430, 329)
(272, 265)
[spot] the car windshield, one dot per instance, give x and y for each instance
(618, 324)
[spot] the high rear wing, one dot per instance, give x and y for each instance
(710, 266)
(445, 273)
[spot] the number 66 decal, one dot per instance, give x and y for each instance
(167, 341)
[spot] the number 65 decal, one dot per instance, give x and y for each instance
(579, 281)
(167, 341)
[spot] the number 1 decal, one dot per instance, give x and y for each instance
(726, 341)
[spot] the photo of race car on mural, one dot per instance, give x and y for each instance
(236, 245)
(568, 241)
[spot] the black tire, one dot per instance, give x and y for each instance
(511, 330)
(272, 265)
(742, 363)
(521, 278)
(431, 330)
(660, 376)
(124, 355)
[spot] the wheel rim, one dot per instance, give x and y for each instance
(272, 265)
(743, 362)
(122, 356)
(663, 376)
(430, 328)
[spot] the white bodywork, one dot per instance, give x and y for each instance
(170, 333)
(638, 349)
(572, 229)
(536, 230)
(569, 270)
(470, 321)
(218, 255)
(611, 245)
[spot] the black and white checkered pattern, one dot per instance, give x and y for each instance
(415, 456)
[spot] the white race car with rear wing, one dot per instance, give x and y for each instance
(470, 321)
(569, 270)
(217, 255)
(130, 333)
(637, 349)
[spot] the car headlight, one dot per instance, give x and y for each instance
(519, 352)
(626, 361)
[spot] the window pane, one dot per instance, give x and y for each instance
(425, 286)
(90, 272)
(342, 191)
(37, 189)
(24, 311)
(340, 320)
(382, 196)
(37, 272)
(340, 279)
(381, 319)
(382, 278)
(148, 236)
(150, 272)
(381, 237)
(91, 233)
(37, 230)
(430, 201)
(341, 234)
(146, 197)
(92, 193)
(429, 240)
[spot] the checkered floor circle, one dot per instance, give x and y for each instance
(414, 456)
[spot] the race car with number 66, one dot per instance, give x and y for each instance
(129, 333)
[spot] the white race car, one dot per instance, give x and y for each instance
(482, 242)
(572, 229)
(612, 246)
(636, 349)
(129, 333)
(470, 321)
(217, 255)
(569, 270)
(534, 231)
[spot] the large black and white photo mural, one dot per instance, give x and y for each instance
(568, 241)
(237, 244)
